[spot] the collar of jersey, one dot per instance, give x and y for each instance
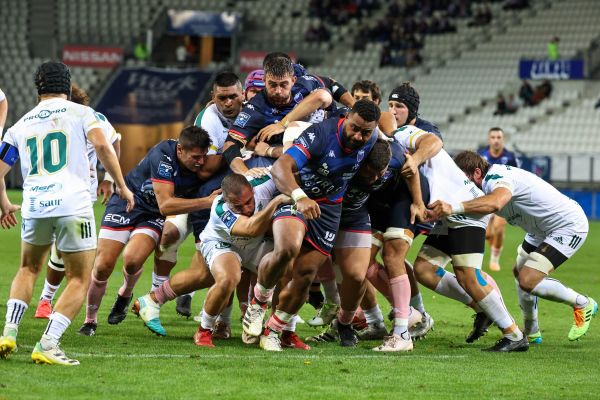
(339, 135)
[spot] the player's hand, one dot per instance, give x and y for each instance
(269, 131)
(8, 218)
(214, 195)
(127, 195)
(284, 199)
(257, 172)
(437, 210)
(418, 212)
(105, 189)
(261, 149)
(309, 208)
(409, 169)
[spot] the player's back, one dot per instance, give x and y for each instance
(52, 144)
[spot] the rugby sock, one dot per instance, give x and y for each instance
(129, 282)
(262, 294)
(495, 255)
(359, 314)
(400, 287)
(528, 303)
(379, 279)
(208, 321)
(488, 278)
(94, 298)
(191, 294)
(374, 315)
(158, 280)
(448, 286)
(291, 326)
(15, 309)
(225, 316)
(57, 325)
(49, 291)
(345, 317)
(494, 308)
(416, 302)
(278, 321)
(332, 294)
(164, 293)
(551, 289)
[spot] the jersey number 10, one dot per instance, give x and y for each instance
(52, 152)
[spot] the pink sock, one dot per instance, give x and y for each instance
(345, 317)
(359, 314)
(379, 281)
(262, 294)
(164, 293)
(129, 282)
(400, 286)
(94, 298)
(278, 321)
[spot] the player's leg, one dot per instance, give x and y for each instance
(496, 227)
(226, 271)
(55, 272)
(327, 312)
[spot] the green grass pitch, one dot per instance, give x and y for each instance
(128, 362)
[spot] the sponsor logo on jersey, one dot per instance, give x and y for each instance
(165, 170)
(323, 169)
(311, 136)
(331, 154)
(117, 219)
(298, 97)
(360, 156)
(52, 188)
(329, 236)
(249, 106)
(43, 114)
(303, 142)
(222, 245)
(242, 119)
(228, 219)
(50, 203)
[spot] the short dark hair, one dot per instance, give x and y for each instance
(275, 54)
(367, 109)
(279, 67)
(233, 184)
(469, 161)
(192, 137)
(226, 79)
(79, 96)
(367, 86)
(380, 155)
(496, 128)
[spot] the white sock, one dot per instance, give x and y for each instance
(57, 325)
(208, 321)
(291, 326)
(158, 280)
(14, 312)
(331, 292)
(495, 255)
(448, 286)
(416, 302)
(373, 315)
(49, 291)
(529, 308)
(191, 294)
(494, 308)
(551, 289)
(400, 326)
(225, 316)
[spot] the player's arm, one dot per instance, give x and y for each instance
(260, 222)
(168, 204)
(108, 158)
(8, 157)
(3, 112)
(417, 208)
(105, 188)
(426, 146)
(319, 98)
(488, 204)
(387, 123)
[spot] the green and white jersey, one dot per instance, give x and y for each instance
(536, 206)
(222, 217)
(111, 136)
(217, 126)
(52, 144)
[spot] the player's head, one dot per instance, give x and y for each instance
(366, 89)
(53, 78)
(255, 82)
(279, 80)
(227, 94)
(496, 139)
(275, 54)
(473, 165)
(238, 194)
(404, 104)
(79, 96)
(192, 147)
(376, 163)
(360, 123)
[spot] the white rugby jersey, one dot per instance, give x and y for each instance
(52, 144)
(2, 95)
(222, 217)
(217, 126)
(536, 206)
(111, 136)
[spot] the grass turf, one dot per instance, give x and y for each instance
(127, 361)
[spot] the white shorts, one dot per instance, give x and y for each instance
(249, 257)
(347, 239)
(460, 221)
(565, 240)
(73, 233)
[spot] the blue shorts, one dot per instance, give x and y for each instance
(320, 232)
(356, 220)
(119, 225)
